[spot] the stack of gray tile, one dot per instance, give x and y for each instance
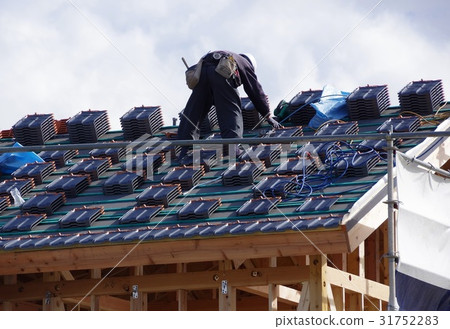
(242, 173)
(141, 120)
(162, 194)
(123, 182)
(368, 102)
(71, 185)
(300, 110)
(251, 117)
(34, 129)
(80, 217)
(421, 97)
(45, 203)
(88, 126)
(198, 209)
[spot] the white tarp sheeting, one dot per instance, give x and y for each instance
(423, 224)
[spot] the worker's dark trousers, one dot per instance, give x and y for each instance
(212, 89)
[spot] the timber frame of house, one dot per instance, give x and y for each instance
(336, 268)
(258, 272)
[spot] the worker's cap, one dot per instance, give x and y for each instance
(250, 58)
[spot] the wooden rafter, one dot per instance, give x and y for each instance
(172, 252)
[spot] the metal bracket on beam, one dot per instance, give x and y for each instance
(135, 291)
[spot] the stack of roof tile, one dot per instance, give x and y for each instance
(7, 133)
(377, 145)
(198, 209)
(300, 110)
(322, 203)
(162, 194)
(210, 122)
(141, 214)
(70, 185)
(258, 206)
(59, 157)
(88, 126)
(338, 128)
(400, 124)
(45, 203)
(316, 149)
(275, 186)
(267, 153)
(38, 171)
(186, 176)
(242, 173)
(23, 185)
(368, 102)
(252, 118)
(5, 202)
(23, 222)
(207, 158)
(35, 129)
(356, 165)
(421, 97)
(322, 148)
(122, 182)
(148, 163)
(285, 132)
(81, 217)
(93, 167)
(297, 166)
(115, 154)
(141, 120)
(61, 126)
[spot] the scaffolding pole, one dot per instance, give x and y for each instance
(227, 141)
(392, 252)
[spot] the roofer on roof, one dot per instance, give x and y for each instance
(214, 88)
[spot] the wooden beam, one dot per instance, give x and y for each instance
(368, 214)
(182, 294)
(243, 303)
(106, 303)
(156, 282)
(172, 252)
(227, 292)
(66, 275)
(286, 295)
(357, 284)
(355, 300)
(338, 261)
(25, 306)
(138, 298)
(303, 303)
(95, 300)
(9, 280)
(50, 301)
(273, 289)
(317, 283)
(330, 297)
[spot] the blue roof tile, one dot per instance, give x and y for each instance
(240, 183)
(12, 244)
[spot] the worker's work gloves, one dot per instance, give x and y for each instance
(274, 123)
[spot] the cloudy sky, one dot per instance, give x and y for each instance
(65, 56)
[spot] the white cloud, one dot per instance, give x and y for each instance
(56, 60)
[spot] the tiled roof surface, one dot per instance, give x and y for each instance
(282, 192)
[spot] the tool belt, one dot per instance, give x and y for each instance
(226, 66)
(193, 74)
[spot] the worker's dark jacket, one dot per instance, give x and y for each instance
(213, 89)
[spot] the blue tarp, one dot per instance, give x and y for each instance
(416, 295)
(10, 162)
(332, 106)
